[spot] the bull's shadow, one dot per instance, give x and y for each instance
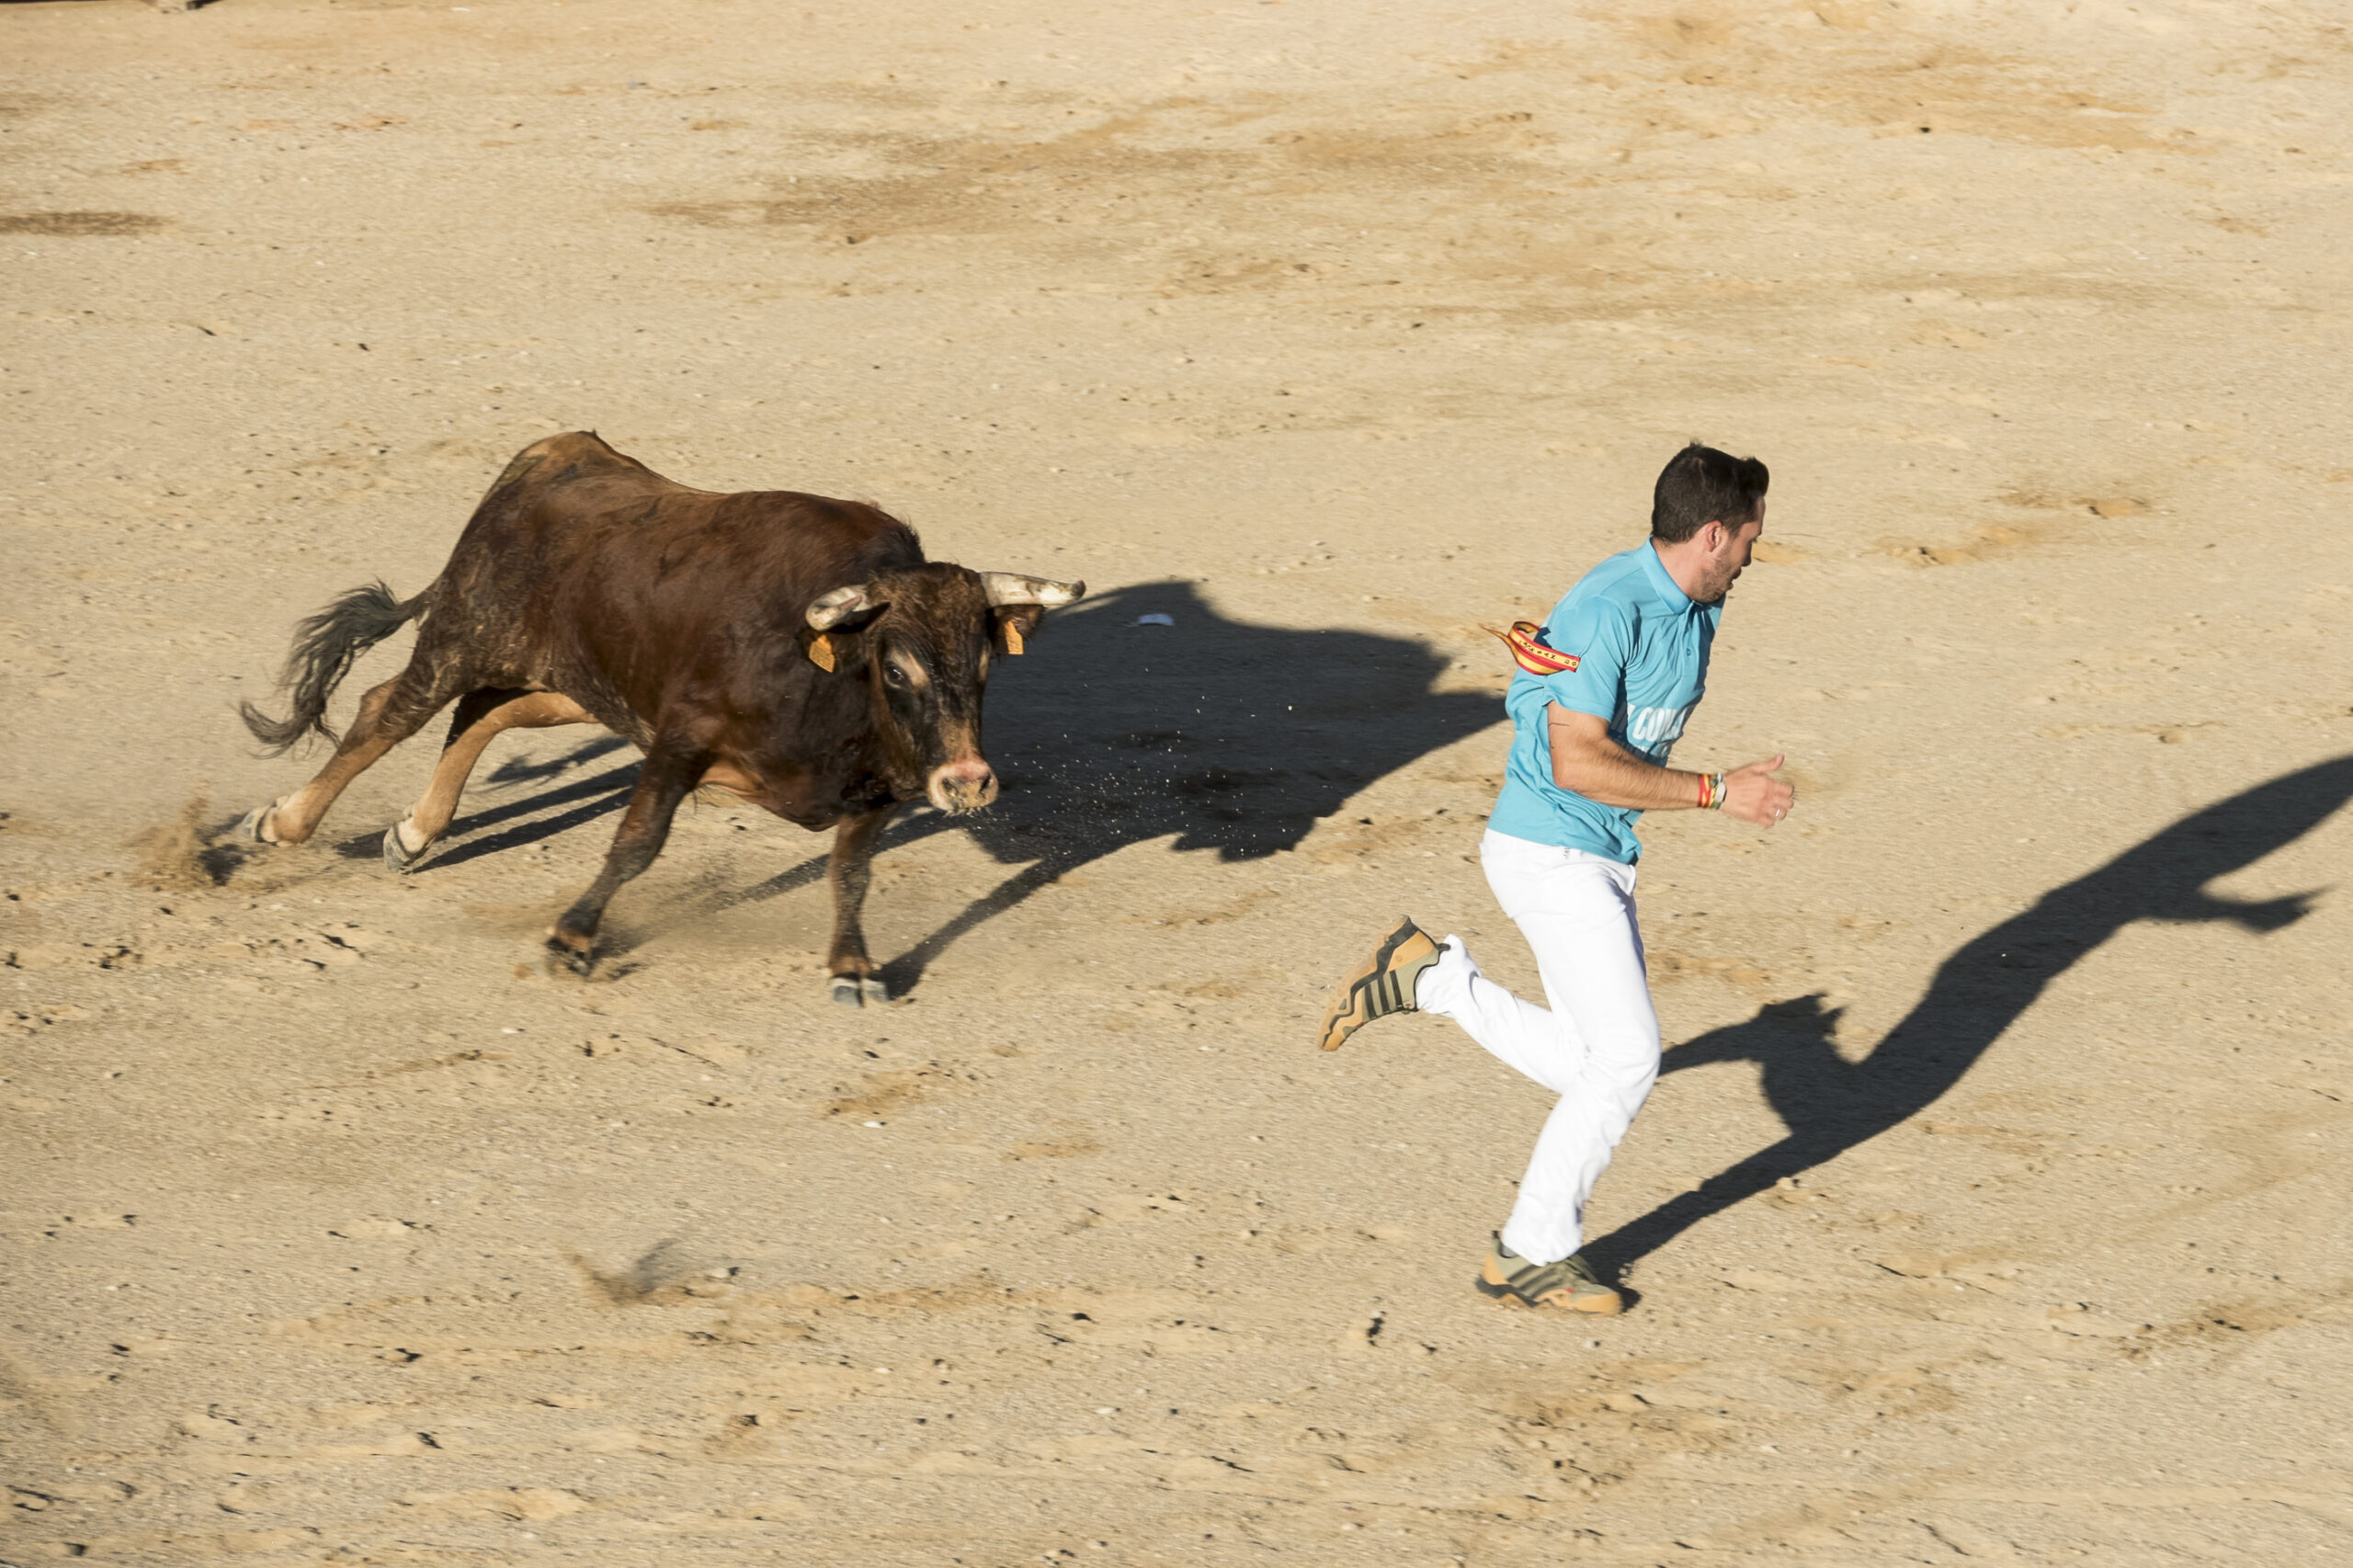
(1830, 1105)
(1226, 736)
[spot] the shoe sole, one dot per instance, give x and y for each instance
(1344, 1010)
(1512, 1298)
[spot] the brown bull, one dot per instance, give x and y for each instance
(796, 652)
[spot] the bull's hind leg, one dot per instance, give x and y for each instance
(388, 715)
(849, 870)
(482, 716)
(670, 773)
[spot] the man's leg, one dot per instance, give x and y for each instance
(1593, 976)
(1538, 1044)
(1597, 1047)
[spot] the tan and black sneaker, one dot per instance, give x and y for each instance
(1568, 1285)
(1382, 984)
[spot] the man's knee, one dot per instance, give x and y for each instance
(1629, 1052)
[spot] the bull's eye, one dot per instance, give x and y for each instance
(894, 674)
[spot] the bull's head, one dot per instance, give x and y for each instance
(922, 640)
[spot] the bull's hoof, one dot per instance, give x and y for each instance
(852, 992)
(560, 959)
(249, 826)
(398, 856)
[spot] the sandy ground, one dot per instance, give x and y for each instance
(1992, 1206)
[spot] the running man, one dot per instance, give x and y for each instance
(1605, 688)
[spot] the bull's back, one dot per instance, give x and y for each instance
(592, 570)
(569, 504)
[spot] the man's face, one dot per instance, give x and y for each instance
(1730, 559)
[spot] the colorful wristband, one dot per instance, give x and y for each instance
(1715, 792)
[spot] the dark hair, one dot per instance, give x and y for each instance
(1702, 485)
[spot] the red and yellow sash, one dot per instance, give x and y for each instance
(1529, 650)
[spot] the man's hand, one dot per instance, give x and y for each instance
(1753, 794)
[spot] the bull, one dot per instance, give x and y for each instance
(795, 652)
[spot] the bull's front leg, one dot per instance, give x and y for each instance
(669, 774)
(850, 868)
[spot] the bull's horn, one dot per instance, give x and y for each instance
(1013, 588)
(829, 610)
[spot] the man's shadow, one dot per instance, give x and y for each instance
(1223, 735)
(1830, 1105)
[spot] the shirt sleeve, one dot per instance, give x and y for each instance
(1598, 634)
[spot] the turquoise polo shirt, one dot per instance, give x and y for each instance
(1641, 650)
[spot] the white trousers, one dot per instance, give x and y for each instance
(1597, 1047)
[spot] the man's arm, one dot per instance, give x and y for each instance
(1587, 762)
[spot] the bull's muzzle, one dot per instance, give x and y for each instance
(966, 784)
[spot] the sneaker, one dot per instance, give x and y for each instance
(1382, 984)
(1568, 1285)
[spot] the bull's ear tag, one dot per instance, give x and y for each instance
(1010, 626)
(821, 653)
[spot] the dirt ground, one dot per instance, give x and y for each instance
(1991, 1208)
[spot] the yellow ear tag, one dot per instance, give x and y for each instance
(821, 652)
(1012, 637)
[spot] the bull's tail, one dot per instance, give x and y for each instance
(325, 646)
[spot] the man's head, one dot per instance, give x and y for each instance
(1706, 512)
